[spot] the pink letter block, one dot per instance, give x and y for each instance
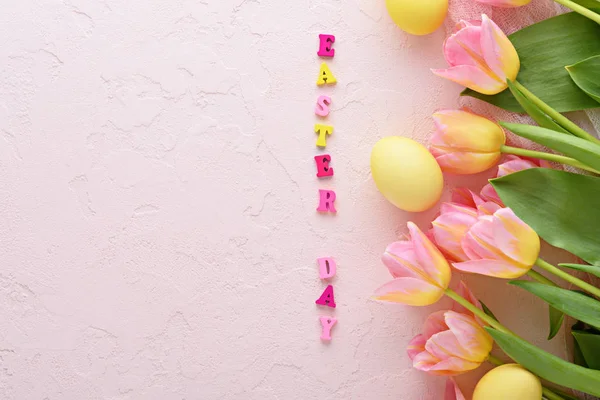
(327, 323)
(323, 168)
(322, 108)
(327, 267)
(326, 200)
(326, 46)
(327, 298)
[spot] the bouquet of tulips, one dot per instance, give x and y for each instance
(543, 70)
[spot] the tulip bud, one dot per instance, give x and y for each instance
(465, 143)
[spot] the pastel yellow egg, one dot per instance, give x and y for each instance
(509, 381)
(406, 173)
(418, 17)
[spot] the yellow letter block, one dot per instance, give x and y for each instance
(325, 76)
(323, 131)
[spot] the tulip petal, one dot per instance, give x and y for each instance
(472, 77)
(479, 241)
(514, 165)
(416, 346)
(401, 260)
(495, 268)
(464, 163)
(465, 197)
(453, 391)
(474, 341)
(464, 47)
(448, 367)
(488, 208)
(515, 238)
(446, 208)
(409, 291)
(462, 130)
(498, 51)
(435, 323)
(448, 231)
(489, 194)
(430, 258)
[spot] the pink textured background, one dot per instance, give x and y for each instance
(158, 232)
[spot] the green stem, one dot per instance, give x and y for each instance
(558, 117)
(568, 277)
(483, 316)
(495, 360)
(548, 393)
(580, 9)
(546, 156)
(541, 278)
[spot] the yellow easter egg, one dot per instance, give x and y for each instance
(509, 381)
(418, 17)
(406, 173)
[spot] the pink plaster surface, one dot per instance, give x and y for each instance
(158, 232)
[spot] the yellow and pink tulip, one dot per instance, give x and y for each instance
(465, 143)
(421, 273)
(451, 343)
(500, 245)
(480, 56)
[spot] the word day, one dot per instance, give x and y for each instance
(327, 265)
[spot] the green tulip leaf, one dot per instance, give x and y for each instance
(544, 49)
(546, 365)
(560, 206)
(571, 146)
(586, 75)
(588, 344)
(569, 302)
(590, 269)
(591, 4)
(487, 311)
(534, 111)
(556, 318)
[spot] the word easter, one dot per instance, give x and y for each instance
(327, 265)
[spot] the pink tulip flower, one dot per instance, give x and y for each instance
(421, 272)
(510, 166)
(453, 391)
(451, 226)
(451, 343)
(505, 3)
(465, 143)
(500, 245)
(481, 57)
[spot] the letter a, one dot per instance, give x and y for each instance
(327, 298)
(325, 76)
